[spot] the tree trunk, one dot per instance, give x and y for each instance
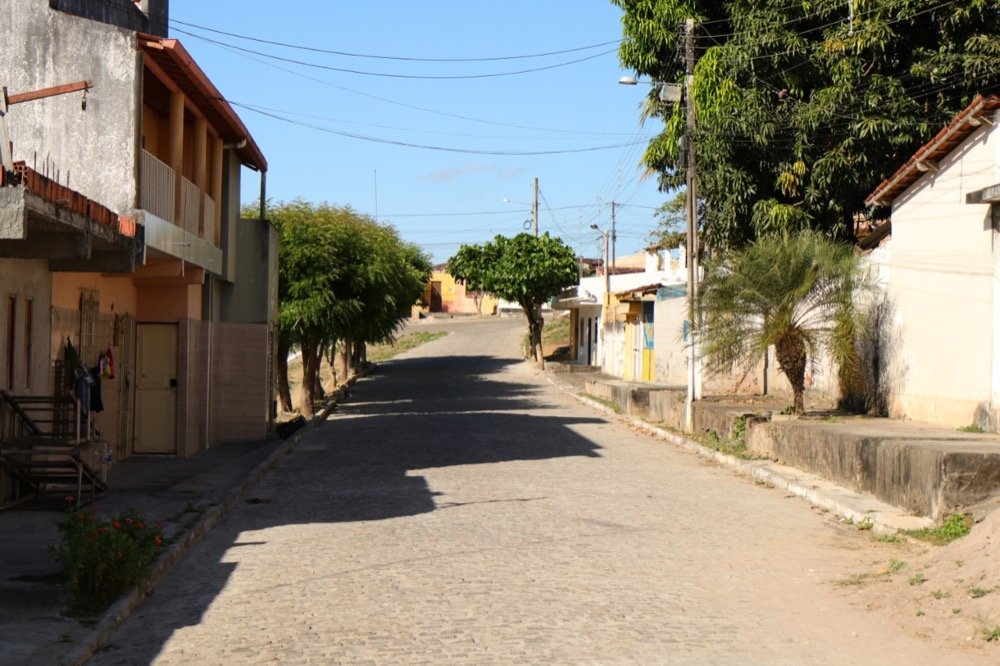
(790, 351)
(310, 372)
(537, 339)
(346, 354)
(281, 369)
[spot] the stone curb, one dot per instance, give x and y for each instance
(856, 508)
(124, 607)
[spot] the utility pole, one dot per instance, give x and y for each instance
(694, 361)
(614, 237)
(534, 208)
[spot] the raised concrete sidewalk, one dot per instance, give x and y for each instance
(189, 495)
(921, 469)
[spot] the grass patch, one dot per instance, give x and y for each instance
(990, 635)
(403, 343)
(971, 428)
(978, 592)
(939, 594)
(954, 526)
(895, 566)
(603, 401)
(730, 447)
(918, 579)
(887, 538)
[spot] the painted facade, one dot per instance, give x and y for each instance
(445, 294)
(941, 267)
(167, 280)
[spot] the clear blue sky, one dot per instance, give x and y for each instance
(437, 198)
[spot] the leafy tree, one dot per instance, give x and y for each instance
(796, 291)
(804, 107)
(526, 269)
(343, 278)
(671, 224)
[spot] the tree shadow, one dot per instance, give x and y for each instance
(360, 465)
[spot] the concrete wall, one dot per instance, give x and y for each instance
(252, 297)
(943, 272)
(240, 383)
(26, 280)
(145, 16)
(94, 152)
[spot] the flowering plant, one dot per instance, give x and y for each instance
(103, 558)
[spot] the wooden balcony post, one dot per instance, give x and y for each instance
(201, 169)
(216, 187)
(177, 148)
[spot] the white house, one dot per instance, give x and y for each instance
(942, 360)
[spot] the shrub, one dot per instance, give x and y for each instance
(103, 558)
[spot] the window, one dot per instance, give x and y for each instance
(11, 328)
(27, 342)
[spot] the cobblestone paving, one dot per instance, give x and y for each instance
(460, 510)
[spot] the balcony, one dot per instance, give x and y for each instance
(182, 226)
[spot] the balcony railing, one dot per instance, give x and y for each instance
(156, 187)
(190, 207)
(208, 220)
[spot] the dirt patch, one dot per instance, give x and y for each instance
(949, 595)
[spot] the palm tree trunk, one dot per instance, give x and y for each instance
(790, 351)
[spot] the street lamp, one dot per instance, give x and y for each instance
(669, 92)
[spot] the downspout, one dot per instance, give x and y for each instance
(263, 195)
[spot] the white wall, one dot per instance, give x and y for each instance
(93, 152)
(942, 274)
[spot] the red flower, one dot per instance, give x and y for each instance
(158, 540)
(115, 524)
(138, 525)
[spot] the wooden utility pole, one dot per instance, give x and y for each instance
(7, 101)
(534, 208)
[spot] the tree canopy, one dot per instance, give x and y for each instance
(526, 269)
(342, 277)
(804, 107)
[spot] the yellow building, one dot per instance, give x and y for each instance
(445, 294)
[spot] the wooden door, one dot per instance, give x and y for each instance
(436, 296)
(156, 389)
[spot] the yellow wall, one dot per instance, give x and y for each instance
(118, 294)
(454, 298)
(169, 304)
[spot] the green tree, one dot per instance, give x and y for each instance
(342, 278)
(526, 269)
(796, 291)
(804, 107)
(671, 224)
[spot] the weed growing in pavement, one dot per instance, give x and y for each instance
(971, 428)
(895, 566)
(918, 579)
(954, 526)
(603, 401)
(737, 449)
(103, 558)
(887, 538)
(978, 592)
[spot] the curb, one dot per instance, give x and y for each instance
(120, 611)
(850, 506)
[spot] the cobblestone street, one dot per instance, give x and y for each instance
(459, 509)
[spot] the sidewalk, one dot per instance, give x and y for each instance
(890, 473)
(190, 495)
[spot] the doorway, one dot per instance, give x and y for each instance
(436, 302)
(156, 389)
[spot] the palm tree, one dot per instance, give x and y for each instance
(798, 292)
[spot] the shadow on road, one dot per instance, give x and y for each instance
(412, 414)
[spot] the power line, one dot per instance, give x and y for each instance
(422, 77)
(374, 56)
